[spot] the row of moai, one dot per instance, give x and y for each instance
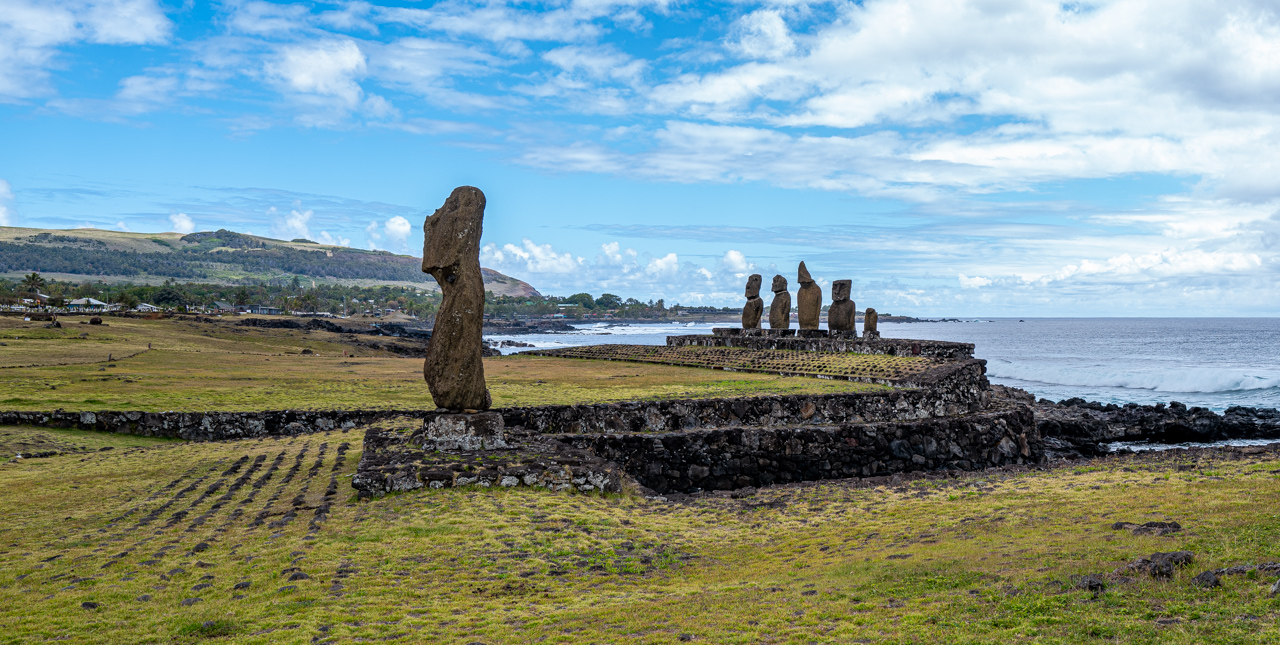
(840, 317)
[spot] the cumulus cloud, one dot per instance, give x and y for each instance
(973, 283)
(291, 226)
(182, 223)
(530, 257)
(398, 229)
(335, 240)
(7, 215)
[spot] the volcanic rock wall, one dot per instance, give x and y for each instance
(821, 341)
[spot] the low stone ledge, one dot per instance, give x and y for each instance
(819, 340)
(951, 390)
(394, 460)
(730, 458)
(199, 426)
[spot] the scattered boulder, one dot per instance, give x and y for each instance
(191, 601)
(88, 605)
(1148, 528)
(1275, 589)
(1162, 565)
(1208, 580)
(96, 320)
(1092, 583)
(242, 585)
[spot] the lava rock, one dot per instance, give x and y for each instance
(1208, 580)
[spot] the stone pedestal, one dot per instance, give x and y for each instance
(461, 431)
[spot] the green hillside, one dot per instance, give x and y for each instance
(220, 257)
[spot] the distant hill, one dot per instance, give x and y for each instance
(220, 257)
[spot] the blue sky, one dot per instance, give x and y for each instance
(984, 157)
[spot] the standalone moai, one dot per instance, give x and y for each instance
(869, 320)
(843, 312)
(810, 299)
(780, 308)
(755, 306)
(453, 368)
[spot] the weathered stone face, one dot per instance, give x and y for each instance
(810, 297)
(451, 254)
(752, 311)
(841, 316)
(780, 308)
(869, 323)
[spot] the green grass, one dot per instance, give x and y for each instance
(989, 558)
(26, 440)
(193, 366)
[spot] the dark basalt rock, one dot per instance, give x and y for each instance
(780, 308)
(809, 298)
(1162, 565)
(843, 312)
(752, 311)
(451, 254)
(1208, 580)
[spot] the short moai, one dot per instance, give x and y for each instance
(869, 320)
(809, 298)
(752, 311)
(780, 308)
(843, 312)
(451, 254)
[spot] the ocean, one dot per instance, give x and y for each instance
(1210, 362)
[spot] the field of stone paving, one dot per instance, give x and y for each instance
(261, 541)
(848, 366)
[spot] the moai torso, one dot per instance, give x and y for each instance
(810, 299)
(843, 312)
(451, 254)
(755, 306)
(869, 320)
(780, 308)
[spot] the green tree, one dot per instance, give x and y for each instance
(608, 301)
(242, 295)
(583, 300)
(33, 282)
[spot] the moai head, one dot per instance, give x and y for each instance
(779, 284)
(803, 275)
(452, 234)
(753, 286)
(840, 290)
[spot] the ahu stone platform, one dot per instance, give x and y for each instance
(821, 340)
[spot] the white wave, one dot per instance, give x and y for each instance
(1189, 380)
(1192, 380)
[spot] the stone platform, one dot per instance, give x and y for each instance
(821, 340)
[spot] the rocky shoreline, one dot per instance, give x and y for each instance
(1075, 428)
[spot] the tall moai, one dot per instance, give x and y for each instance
(451, 254)
(843, 312)
(780, 308)
(755, 306)
(810, 299)
(869, 320)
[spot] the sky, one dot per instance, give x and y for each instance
(951, 157)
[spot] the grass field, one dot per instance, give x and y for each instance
(216, 366)
(163, 539)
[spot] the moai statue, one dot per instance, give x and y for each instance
(869, 324)
(755, 306)
(451, 254)
(843, 312)
(780, 308)
(810, 297)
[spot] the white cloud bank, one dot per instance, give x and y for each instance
(182, 223)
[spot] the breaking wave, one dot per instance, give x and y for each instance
(1194, 380)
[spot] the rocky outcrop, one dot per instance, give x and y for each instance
(1076, 428)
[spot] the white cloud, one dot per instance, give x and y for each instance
(664, 266)
(398, 229)
(974, 282)
(122, 226)
(335, 240)
(182, 223)
(532, 258)
(32, 31)
(291, 226)
(7, 215)
(762, 34)
(736, 262)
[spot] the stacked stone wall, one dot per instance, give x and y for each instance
(959, 389)
(730, 458)
(822, 341)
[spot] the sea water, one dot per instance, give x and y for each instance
(1211, 362)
